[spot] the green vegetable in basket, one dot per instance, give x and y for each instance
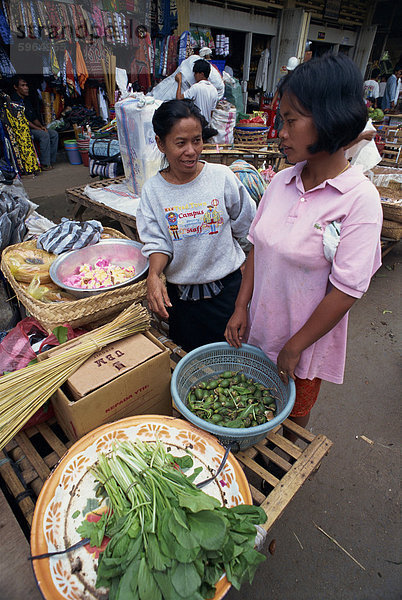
(232, 400)
(168, 539)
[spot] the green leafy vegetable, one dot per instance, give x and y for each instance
(168, 539)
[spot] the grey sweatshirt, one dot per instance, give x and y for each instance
(195, 224)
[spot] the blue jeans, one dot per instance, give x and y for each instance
(48, 143)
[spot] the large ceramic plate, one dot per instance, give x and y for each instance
(69, 495)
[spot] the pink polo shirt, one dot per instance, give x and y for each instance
(291, 273)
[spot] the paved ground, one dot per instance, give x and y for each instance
(354, 496)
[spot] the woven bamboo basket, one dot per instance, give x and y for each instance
(391, 230)
(250, 138)
(391, 210)
(92, 310)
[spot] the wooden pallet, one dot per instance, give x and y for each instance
(81, 203)
(29, 458)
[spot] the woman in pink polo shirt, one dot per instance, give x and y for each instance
(316, 234)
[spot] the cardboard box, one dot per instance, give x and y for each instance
(142, 389)
(111, 362)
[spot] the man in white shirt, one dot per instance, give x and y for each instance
(203, 92)
(371, 88)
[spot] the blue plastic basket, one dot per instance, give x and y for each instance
(208, 361)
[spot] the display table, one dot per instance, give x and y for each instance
(28, 459)
(81, 203)
(226, 154)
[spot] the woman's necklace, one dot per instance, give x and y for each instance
(312, 184)
(343, 170)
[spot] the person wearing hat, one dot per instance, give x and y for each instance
(203, 92)
(308, 53)
(292, 63)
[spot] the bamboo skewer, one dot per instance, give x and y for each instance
(24, 391)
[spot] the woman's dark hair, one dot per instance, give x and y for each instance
(172, 111)
(202, 66)
(330, 90)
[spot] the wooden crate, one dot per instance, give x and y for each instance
(29, 458)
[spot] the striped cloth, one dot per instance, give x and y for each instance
(70, 235)
(250, 178)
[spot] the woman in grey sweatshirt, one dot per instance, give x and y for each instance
(189, 217)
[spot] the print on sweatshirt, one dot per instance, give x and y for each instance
(206, 219)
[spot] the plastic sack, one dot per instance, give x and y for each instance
(223, 120)
(16, 348)
(364, 153)
(233, 93)
(139, 152)
(37, 224)
(166, 89)
(330, 239)
(47, 293)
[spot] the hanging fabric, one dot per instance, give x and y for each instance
(6, 68)
(82, 72)
(261, 78)
(54, 63)
(93, 55)
(69, 76)
(97, 17)
(4, 28)
(18, 132)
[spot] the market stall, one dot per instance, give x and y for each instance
(268, 472)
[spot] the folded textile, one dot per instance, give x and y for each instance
(70, 235)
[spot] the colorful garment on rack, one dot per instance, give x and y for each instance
(93, 55)
(20, 137)
(6, 68)
(111, 5)
(82, 72)
(99, 28)
(66, 24)
(4, 28)
(171, 63)
(69, 76)
(54, 63)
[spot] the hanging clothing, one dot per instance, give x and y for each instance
(82, 72)
(54, 63)
(261, 78)
(17, 129)
(70, 76)
(93, 55)
(6, 68)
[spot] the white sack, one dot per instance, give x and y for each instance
(139, 152)
(224, 121)
(166, 89)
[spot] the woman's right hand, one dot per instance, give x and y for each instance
(236, 327)
(157, 296)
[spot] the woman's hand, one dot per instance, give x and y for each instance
(157, 296)
(236, 327)
(287, 361)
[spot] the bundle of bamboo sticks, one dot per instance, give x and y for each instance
(24, 391)
(109, 73)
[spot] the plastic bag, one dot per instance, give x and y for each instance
(47, 293)
(223, 120)
(233, 94)
(140, 154)
(330, 239)
(16, 348)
